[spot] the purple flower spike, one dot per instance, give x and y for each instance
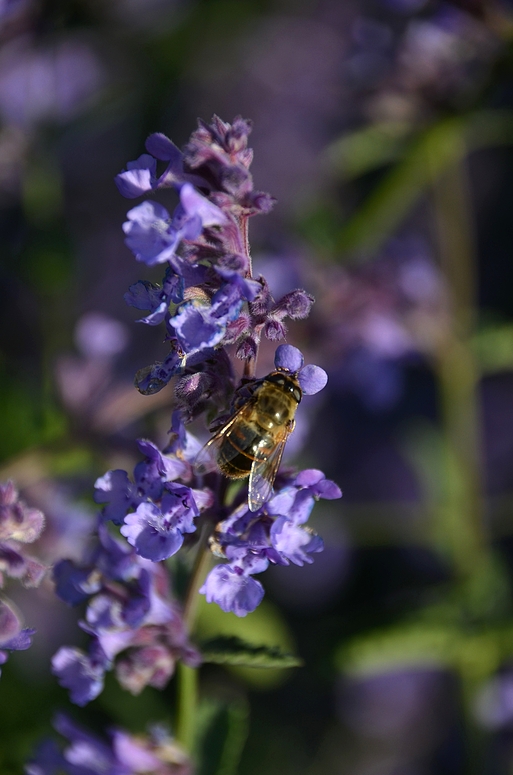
(312, 379)
(289, 358)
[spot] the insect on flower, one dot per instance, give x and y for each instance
(252, 441)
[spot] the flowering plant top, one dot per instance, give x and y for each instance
(208, 299)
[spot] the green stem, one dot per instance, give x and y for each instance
(457, 373)
(187, 700)
(199, 571)
(458, 381)
(187, 691)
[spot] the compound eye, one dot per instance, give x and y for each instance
(276, 379)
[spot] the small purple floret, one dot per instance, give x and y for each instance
(76, 672)
(311, 378)
(289, 358)
(232, 590)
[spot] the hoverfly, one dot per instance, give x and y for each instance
(252, 441)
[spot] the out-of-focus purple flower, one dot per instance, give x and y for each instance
(82, 675)
(18, 522)
(19, 525)
(134, 624)
(52, 83)
(493, 706)
(119, 754)
(99, 336)
(12, 636)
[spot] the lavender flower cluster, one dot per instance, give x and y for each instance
(208, 297)
(19, 525)
(133, 620)
(122, 753)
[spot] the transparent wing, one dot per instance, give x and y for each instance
(206, 460)
(263, 473)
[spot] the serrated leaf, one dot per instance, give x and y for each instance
(234, 651)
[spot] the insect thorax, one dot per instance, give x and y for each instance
(277, 400)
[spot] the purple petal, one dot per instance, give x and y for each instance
(309, 477)
(232, 590)
(46, 760)
(288, 357)
(195, 330)
(162, 148)
(139, 177)
(157, 545)
(328, 490)
(20, 642)
(146, 532)
(68, 581)
(169, 467)
(10, 624)
(132, 755)
(294, 542)
(312, 379)
(150, 236)
(247, 287)
(195, 204)
(76, 672)
(151, 379)
(143, 295)
(116, 490)
(318, 484)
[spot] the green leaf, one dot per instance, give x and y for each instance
(430, 155)
(493, 348)
(438, 637)
(232, 650)
(222, 730)
(265, 626)
(367, 149)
